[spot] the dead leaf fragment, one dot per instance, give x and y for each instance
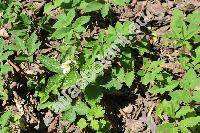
(3, 33)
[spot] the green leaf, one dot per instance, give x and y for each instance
(62, 104)
(48, 7)
(196, 96)
(105, 9)
(180, 96)
(81, 108)
(119, 2)
(120, 75)
(70, 79)
(79, 29)
(45, 105)
(183, 111)
(59, 2)
(61, 33)
(190, 80)
(5, 55)
(20, 43)
(190, 122)
(194, 17)
(4, 130)
(170, 107)
(167, 128)
(53, 84)
(159, 110)
(119, 27)
(50, 64)
(129, 77)
(27, 21)
(196, 59)
(95, 124)
(178, 24)
(92, 6)
(81, 21)
(82, 123)
(19, 33)
(196, 38)
(192, 30)
(4, 118)
(127, 27)
(22, 58)
(5, 68)
(69, 115)
(168, 88)
(93, 94)
(114, 83)
(65, 20)
(96, 111)
(31, 44)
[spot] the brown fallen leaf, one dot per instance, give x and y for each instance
(4, 33)
(133, 3)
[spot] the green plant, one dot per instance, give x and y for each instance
(184, 93)
(183, 29)
(90, 71)
(4, 119)
(80, 70)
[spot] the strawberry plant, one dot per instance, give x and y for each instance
(181, 108)
(68, 64)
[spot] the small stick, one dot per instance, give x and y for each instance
(17, 69)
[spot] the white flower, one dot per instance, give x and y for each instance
(66, 66)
